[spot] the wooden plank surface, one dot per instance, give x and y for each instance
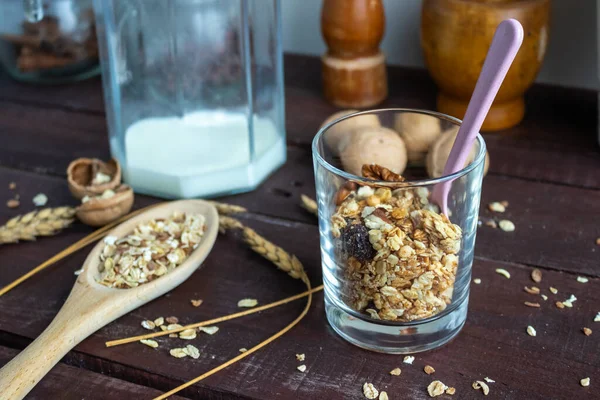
(553, 206)
(65, 382)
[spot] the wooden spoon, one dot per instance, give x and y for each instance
(91, 305)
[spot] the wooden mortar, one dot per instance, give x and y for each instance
(354, 74)
(455, 37)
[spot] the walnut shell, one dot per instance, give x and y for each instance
(374, 145)
(98, 211)
(337, 136)
(440, 150)
(82, 171)
(418, 131)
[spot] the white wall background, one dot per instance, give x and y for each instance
(571, 58)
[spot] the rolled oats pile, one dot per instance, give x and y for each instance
(398, 253)
(153, 249)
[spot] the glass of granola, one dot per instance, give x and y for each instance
(396, 270)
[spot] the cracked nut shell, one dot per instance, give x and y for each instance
(99, 212)
(82, 171)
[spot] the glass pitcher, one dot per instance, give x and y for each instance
(193, 92)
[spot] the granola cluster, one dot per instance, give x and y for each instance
(399, 254)
(153, 249)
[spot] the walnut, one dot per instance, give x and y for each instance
(440, 150)
(107, 207)
(92, 177)
(418, 131)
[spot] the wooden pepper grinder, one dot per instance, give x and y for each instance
(354, 74)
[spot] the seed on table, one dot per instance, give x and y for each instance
(587, 331)
(396, 372)
(196, 303)
(301, 368)
(506, 225)
(477, 281)
(211, 330)
(560, 305)
(530, 304)
(408, 359)
(532, 290)
(496, 207)
(429, 369)
(247, 303)
(582, 279)
(383, 396)
(585, 382)
(531, 331)
(491, 223)
(503, 272)
(149, 343)
(536, 275)
(243, 350)
(544, 297)
(553, 290)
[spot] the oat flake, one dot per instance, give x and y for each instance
(159, 321)
(243, 350)
(247, 303)
(436, 388)
(506, 225)
(301, 368)
(408, 359)
(531, 331)
(553, 290)
(396, 372)
(481, 385)
(429, 369)
(587, 331)
(40, 200)
(582, 279)
(477, 281)
(597, 317)
(178, 353)
(503, 272)
(369, 391)
(196, 303)
(211, 330)
(383, 396)
(149, 343)
(192, 351)
(488, 380)
(585, 382)
(496, 207)
(147, 324)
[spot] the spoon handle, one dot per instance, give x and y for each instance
(505, 45)
(79, 318)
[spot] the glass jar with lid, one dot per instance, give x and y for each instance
(48, 41)
(193, 92)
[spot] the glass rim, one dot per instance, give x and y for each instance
(479, 158)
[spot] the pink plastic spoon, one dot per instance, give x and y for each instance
(505, 45)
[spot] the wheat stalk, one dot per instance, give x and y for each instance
(225, 208)
(309, 204)
(44, 222)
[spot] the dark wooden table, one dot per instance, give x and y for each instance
(548, 168)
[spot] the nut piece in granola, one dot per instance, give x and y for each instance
(436, 388)
(429, 369)
(481, 385)
(300, 357)
(149, 343)
(247, 303)
(396, 372)
(301, 368)
(585, 382)
(536, 275)
(153, 249)
(370, 391)
(531, 331)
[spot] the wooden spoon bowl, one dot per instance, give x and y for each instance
(90, 305)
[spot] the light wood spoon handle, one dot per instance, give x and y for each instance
(80, 317)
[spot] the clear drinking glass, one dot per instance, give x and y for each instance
(396, 271)
(193, 92)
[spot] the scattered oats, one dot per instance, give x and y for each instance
(196, 303)
(429, 369)
(159, 321)
(587, 331)
(396, 372)
(503, 272)
(582, 279)
(101, 178)
(597, 317)
(170, 327)
(79, 271)
(481, 385)
(491, 223)
(243, 350)
(188, 334)
(147, 324)
(436, 388)
(301, 368)
(247, 303)
(553, 290)
(477, 281)
(408, 359)
(569, 301)
(192, 351)
(369, 391)
(40, 200)
(450, 391)
(506, 225)
(544, 297)
(12, 186)
(149, 343)
(211, 330)
(172, 320)
(559, 304)
(585, 382)
(530, 304)
(178, 353)
(488, 380)
(172, 335)
(496, 207)
(532, 290)
(536, 275)
(383, 396)
(163, 328)
(531, 331)
(300, 357)
(13, 203)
